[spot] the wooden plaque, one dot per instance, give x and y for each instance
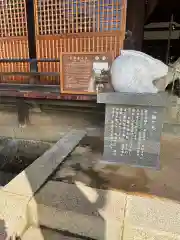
(78, 71)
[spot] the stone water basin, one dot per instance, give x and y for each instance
(16, 155)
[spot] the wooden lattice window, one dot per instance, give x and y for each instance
(13, 20)
(76, 16)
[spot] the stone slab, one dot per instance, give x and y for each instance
(153, 213)
(137, 233)
(13, 213)
(133, 126)
(32, 178)
(143, 99)
(73, 222)
(132, 135)
(100, 213)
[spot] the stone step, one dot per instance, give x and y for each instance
(81, 210)
(45, 234)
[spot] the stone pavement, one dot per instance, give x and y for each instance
(104, 214)
(74, 199)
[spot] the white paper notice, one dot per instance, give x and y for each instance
(99, 66)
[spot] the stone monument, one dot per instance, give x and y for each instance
(133, 127)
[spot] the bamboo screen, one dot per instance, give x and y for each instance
(13, 36)
(78, 26)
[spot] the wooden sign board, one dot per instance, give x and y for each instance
(78, 71)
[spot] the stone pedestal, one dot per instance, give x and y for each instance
(133, 126)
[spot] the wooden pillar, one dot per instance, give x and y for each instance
(135, 23)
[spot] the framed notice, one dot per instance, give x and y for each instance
(78, 71)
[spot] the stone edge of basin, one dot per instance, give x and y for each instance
(16, 195)
(143, 215)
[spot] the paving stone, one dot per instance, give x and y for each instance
(79, 209)
(136, 233)
(153, 213)
(13, 213)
